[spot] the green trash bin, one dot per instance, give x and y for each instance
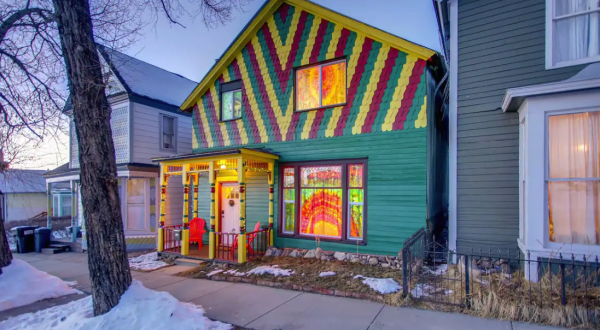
(42, 238)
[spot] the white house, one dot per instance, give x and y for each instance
(146, 123)
(22, 194)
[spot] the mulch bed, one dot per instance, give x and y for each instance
(306, 277)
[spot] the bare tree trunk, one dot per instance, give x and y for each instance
(107, 258)
(5, 254)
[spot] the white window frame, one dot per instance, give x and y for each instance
(124, 213)
(222, 97)
(161, 130)
(533, 209)
(550, 38)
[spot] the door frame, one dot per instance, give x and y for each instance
(124, 207)
(221, 202)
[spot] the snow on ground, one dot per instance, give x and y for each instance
(214, 272)
(381, 285)
(234, 272)
(426, 290)
(56, 234)
(146, 262)
(139, 308)
(437, 271)
(325, 274)
(273, 270)
(21, 284)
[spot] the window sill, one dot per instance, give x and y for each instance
(168, 150)
(322, 239)
(323, 108)
(228, 120)
(587, 60)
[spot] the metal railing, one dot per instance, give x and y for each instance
(226, 246)
(257, 242)
(170, 242)
(533, 282)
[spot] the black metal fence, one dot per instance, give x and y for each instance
(434, 274)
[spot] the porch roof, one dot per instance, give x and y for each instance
(264, 153)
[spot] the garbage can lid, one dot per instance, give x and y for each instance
(43, 229)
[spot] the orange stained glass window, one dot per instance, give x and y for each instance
(321, 85)
(307, 88)
(334, 83)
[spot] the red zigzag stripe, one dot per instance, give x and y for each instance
(314, 55)
(409, 94)
(215, 120)
(200, 127)
(384, 79)
(291, 58)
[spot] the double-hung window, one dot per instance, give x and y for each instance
(573, 178)
(572, 32)
(324, 199)
(231, 100)
(321, 85)
(168, 128)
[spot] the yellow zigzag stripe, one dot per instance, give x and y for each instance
(371, 88)
(283, 51)
(337, 112)
(252, 99)
(422, 118)
(407, 69)
(310, 118)
(310, 43)
(335, 38)
(204, 120)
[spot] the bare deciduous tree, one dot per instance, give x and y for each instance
(45, 43)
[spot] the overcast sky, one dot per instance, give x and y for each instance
(191, 51)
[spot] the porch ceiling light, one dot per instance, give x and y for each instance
(222, 166)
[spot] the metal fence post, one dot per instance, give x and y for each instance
(404, 273)
(563, 294)
(467, 287)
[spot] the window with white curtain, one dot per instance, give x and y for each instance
(573, 32)
(573, 178)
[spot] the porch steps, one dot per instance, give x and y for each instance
(56, 248)
(188, 262)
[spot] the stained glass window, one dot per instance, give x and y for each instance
(289, 201)
(231, 107)
(330, 200)
(321, 85)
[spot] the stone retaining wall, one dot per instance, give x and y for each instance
(394, 262)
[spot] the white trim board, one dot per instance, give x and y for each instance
(453, 127)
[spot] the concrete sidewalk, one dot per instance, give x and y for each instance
(266, 308)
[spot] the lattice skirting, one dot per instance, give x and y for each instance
(145, 242)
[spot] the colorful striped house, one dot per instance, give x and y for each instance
(322, 129)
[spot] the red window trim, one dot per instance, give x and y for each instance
(345, 200)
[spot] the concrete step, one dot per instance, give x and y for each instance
(188, 262)
(56, 248)
(73, 246)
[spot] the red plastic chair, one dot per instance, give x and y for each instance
(197, 230)
(234, 246)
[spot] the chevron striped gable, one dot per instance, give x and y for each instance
(386, 86)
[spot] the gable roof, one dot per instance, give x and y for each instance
(22, 181)
(268, 8)
(144, 79)
(147, 80)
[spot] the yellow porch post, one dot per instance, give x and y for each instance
(161, 221)
(211, 234)
(196, 180)
(242, 237)
(271, 188)
(185, 233)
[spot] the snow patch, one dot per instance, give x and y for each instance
(273, 270)
(21, 284)
(139, 308)
(325, 274)
(437, 271)
(381, 285)
(146, 262)
(217, 271)
(426, 290)
(234, 272)
(56, 234)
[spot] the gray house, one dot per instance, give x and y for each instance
(146, 122)
(524, 118)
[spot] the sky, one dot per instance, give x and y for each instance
(191, 51)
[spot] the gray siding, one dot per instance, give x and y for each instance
(501, 44)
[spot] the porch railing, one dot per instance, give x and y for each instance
(170, 243)
(226, 246)
(257, 242)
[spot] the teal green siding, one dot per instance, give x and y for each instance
(204, 203)
(257, 200)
